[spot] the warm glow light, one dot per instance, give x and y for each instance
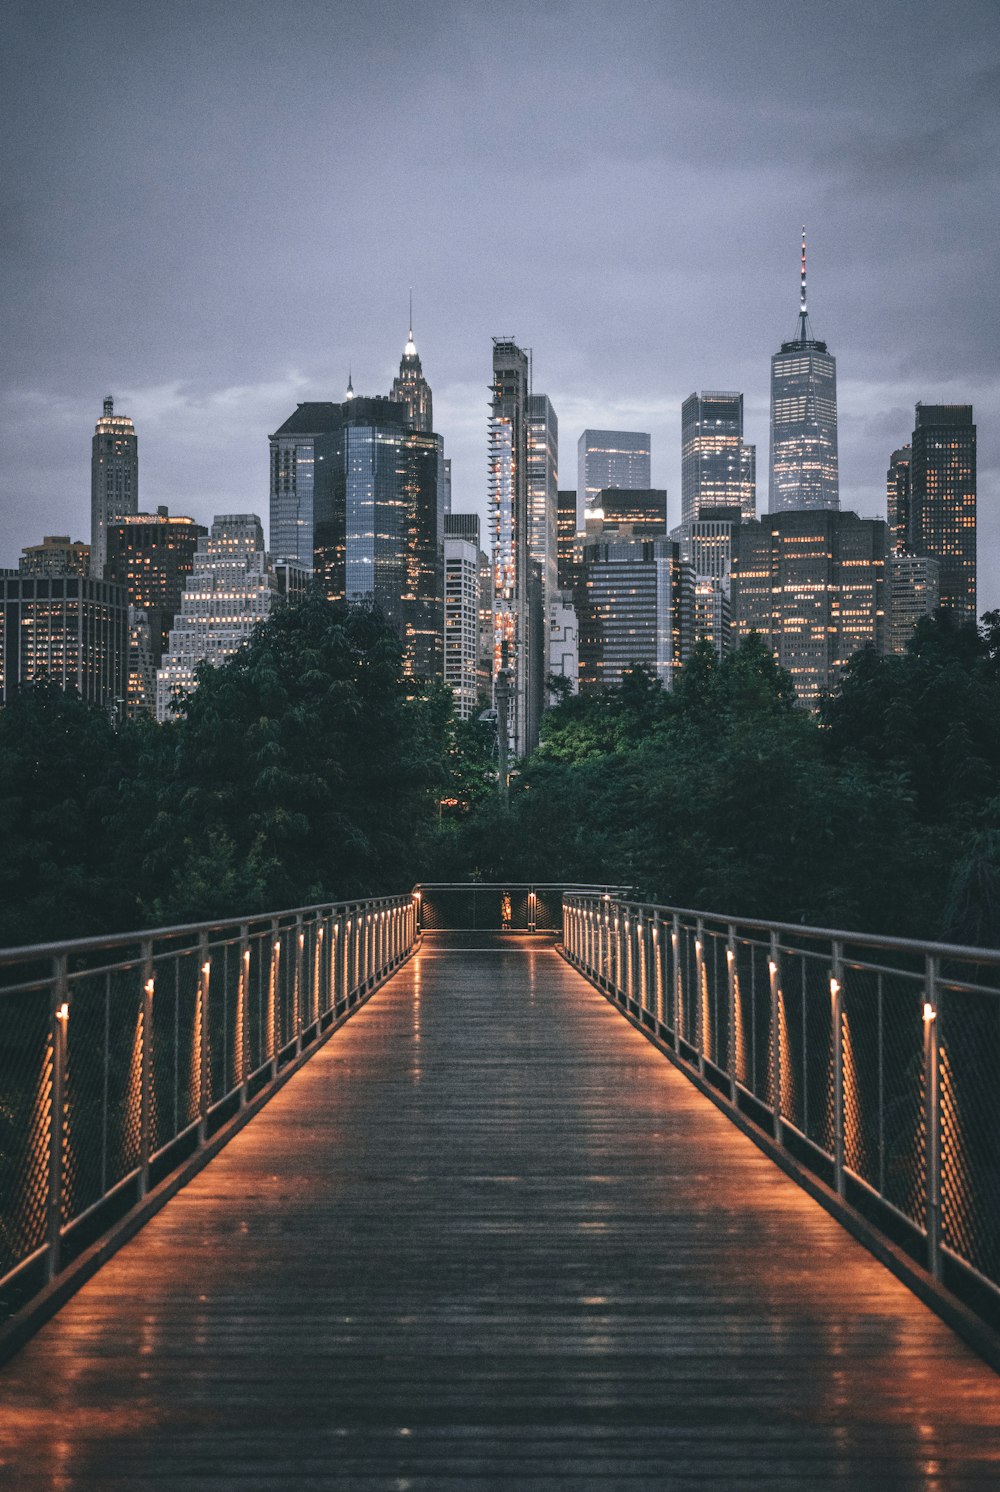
(772, 966)
(149, 987)
(929, 1012)
(730, 955)
(834, 987)
(697, 944)
(246, 955)
(206, 969)
(62, 1013)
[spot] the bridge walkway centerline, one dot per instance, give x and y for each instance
(489, 1237)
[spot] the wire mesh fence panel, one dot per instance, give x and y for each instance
(716, 1019)
(815, 1073)
(285, 982)
(969, 1064)
(188, 1037)
(754, 1018)
(902, 1174)
(548, 908)
(258, 982)
(223, 996)
(26, 1071)
(863, 1066)
(689, 992)
(103, 1085)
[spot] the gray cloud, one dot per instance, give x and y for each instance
(213, 209)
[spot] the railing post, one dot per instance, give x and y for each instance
(699, 1003)
(932, 1116)
(774, 970)
(146, 1066)
(837, 1056)
(532, 906)
(58, 1037)
(204, 974)
(298, 1003)
(275, 1032)
(677, 977)
(243, 1005)
(731, 991)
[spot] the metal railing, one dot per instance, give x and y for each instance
(496, 906)
(121, 1057)
(872, 1062)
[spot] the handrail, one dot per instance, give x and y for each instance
(113, 1077)
(875, 1074)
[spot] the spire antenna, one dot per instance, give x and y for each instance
(411, 313)
(802, 291)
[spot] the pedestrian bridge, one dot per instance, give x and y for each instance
(401, 1194)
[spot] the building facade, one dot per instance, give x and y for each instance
(897, 498)
(152, 555)
(461, 624)
(812, 584)
(942, 515)
(227, 593)
(635, 606)
(717, 468)
(73, 629)
(566, 538)
(643, 509)
(913, 587)
(518, 650)
(804, 471)
(543, 488)
(114, 479)
(57, 554)
(609, 458)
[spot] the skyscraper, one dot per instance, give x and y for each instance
(566, 532)
(717, 468)
(804, 472)
(543, 488)
(609, 458)
(913, 586)
(519, 636)
(813, 585)
(943, 500)
(114, 479)
(357, 492)
(635, 606)
(411, 388)
(56, 555)
(152, 555)
(227, 593)
(643, 509)
(461, 623)
(897, 498)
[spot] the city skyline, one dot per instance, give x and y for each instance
(220, 326)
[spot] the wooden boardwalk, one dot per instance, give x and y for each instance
(489, 1238)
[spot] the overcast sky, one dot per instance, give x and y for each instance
(211, 210)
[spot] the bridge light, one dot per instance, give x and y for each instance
(834, 987)
(148, 987)
(246, 955)
(62, 1012)
(697, 945)
(772, 966)
(930, 1013)
(730, 955)
(206, 969)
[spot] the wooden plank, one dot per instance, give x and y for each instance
(489, 1237)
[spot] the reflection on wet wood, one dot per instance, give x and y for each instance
(489, 1237)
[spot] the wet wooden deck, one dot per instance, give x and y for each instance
(490, 1238)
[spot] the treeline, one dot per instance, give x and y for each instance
(882, 813)
(305, 769)
(301, 771)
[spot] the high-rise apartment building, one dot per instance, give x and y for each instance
(519, 634)
(227, 593)
(711, 612)
(466, 527)
(57, 554)
(461, 624)
(897, 498)
(943, 500)
(609, 458)
(707, 545)
(152, 555)
(913, 585)
(635, 606)
(543, 488)
(804, 469)
(72, 628)
(812, 583)
(717, 468)
(114, 479)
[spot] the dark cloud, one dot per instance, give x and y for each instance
(213, 209)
